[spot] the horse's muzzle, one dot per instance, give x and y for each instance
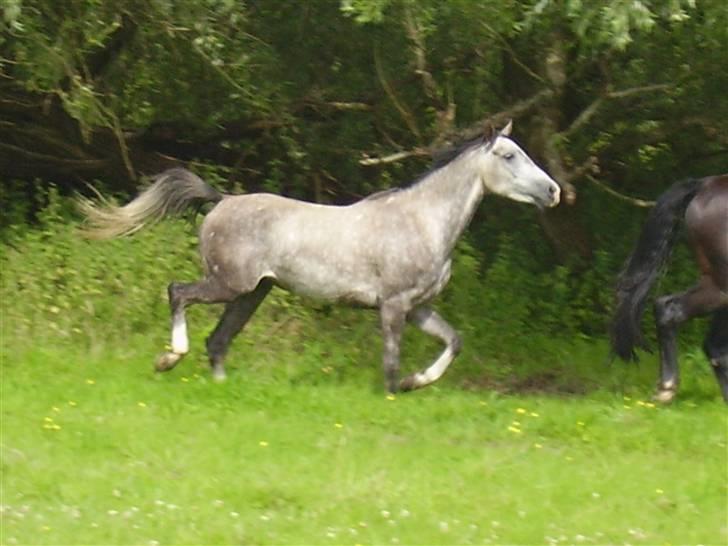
(554, 194)
(549, 196)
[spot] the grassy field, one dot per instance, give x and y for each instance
(96, 449)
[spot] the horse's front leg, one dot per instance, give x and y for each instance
(392, 315)
(431, 323)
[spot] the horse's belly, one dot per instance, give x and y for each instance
(324, 282)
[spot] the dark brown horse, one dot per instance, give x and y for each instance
(704, 205)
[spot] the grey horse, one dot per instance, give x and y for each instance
(391, 251)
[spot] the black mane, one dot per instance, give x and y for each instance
(441, 158)
(447, 155)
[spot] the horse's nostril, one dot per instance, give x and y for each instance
(553, 189)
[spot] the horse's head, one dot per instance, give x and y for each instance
(508, 171)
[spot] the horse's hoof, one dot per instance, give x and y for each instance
(219, 376)
(167, 361)
(408, 383)
(664, 396)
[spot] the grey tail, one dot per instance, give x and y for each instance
(173, 192)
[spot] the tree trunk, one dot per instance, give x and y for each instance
(568, 236)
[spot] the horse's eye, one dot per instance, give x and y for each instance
(508, 156)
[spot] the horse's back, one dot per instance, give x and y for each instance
(707, 223)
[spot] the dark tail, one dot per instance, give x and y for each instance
(173, 192)
(649, 256)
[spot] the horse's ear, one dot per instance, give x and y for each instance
(506, 131)
(489, 133)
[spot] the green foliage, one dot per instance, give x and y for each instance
(611, 25)
(365, 11)
(63, 287)
(51, 46)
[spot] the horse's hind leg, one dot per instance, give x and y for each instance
(236, 315)
(716, 348)
(209, 290)
(432, 323)
(670, 312)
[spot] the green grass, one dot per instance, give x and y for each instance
(96, 449)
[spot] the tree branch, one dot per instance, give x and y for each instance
(500, 118)
(632, 200)
(590, 111)
(37, 156)
(407, 116)
(512, 53)
(637, 90)
(392, 158)
(472, 131)
(445, 111)
(418, 48)
(590, 165)
(348, 106)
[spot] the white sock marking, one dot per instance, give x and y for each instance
(180, 343)
(435, 371)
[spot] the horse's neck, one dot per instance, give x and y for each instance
(447, 200)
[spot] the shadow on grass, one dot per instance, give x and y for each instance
(538, 382)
